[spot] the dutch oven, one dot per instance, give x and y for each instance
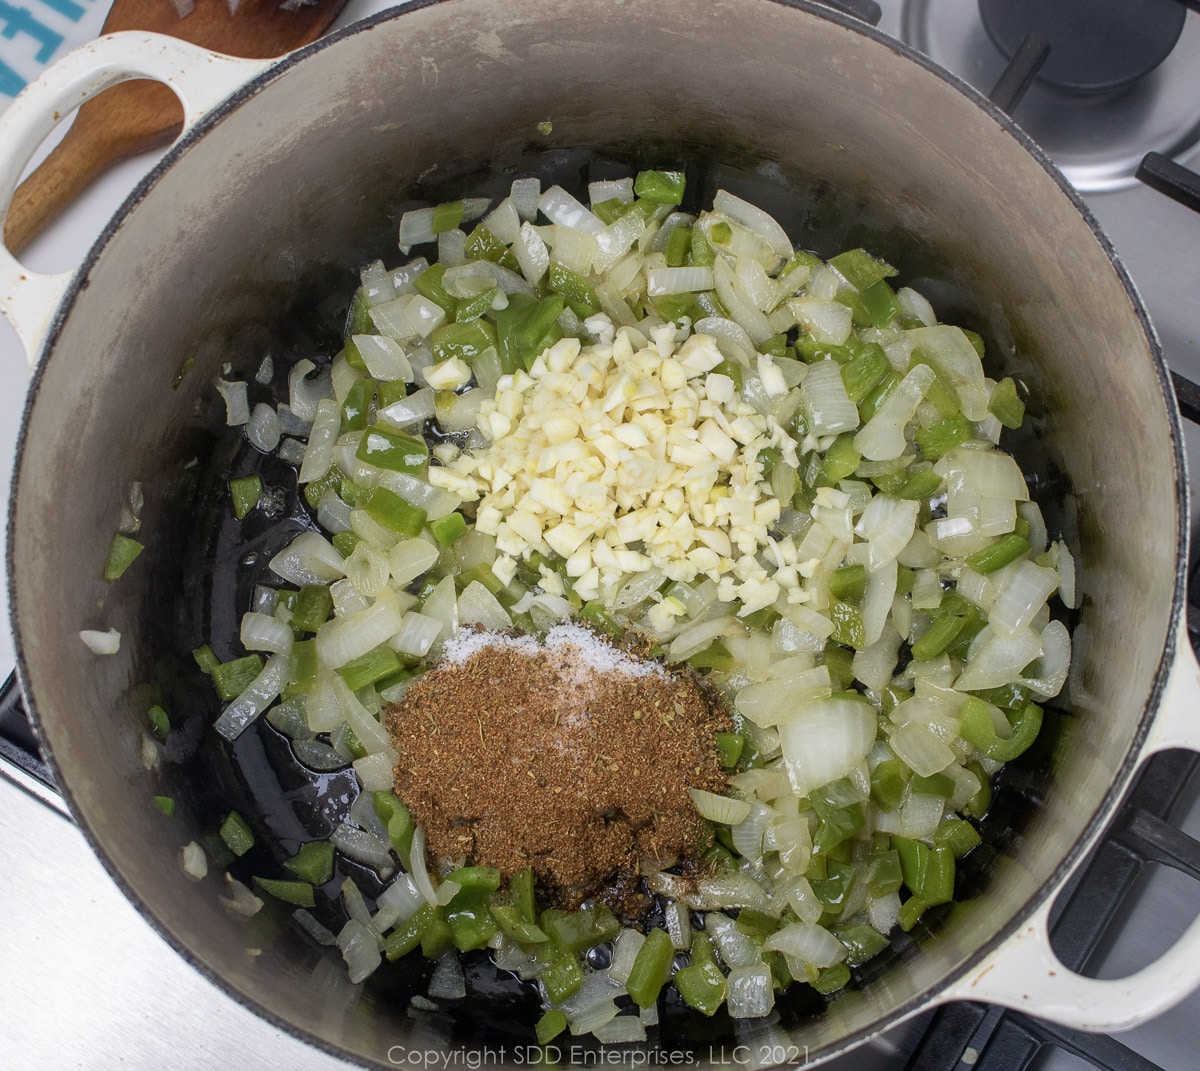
(292, 169)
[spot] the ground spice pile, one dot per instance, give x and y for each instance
(569, 756)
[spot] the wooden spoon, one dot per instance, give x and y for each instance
(140, 115)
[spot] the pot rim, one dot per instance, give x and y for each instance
(813, 8)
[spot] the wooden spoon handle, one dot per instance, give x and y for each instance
(128, 119)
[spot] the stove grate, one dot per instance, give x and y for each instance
(1163, 174)
(17, 742)
(983, 1038)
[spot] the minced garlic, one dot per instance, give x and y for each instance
(621, 459)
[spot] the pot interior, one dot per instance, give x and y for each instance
(245, 244)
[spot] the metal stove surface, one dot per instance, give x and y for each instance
(86, 983)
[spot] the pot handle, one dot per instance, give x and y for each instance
(200, 78)
(1025, 974)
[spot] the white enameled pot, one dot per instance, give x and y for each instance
(289, 167)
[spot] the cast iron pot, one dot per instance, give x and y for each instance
(287, 168)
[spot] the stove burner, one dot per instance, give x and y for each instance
(1096, 46)
(1096, 138)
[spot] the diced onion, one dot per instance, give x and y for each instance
(360, 950)
(363, 847)
(887, 524)
(1023, 594)
(305, 391)
(699, 636)
(524, 194)
(261, 632)
(813, 945)
(347, 599)
(333, 514)
(291, 451)
(418, 870)
(625, 949)
(914, 305)
(951, 353)
(920, 750)
(724, 810)
(531, 253)
(611, 190)
(447, 981)
(237, 403)
(451, 247)
(401, 895)
(478, 606)
(504, 221)
(463, 411)
(374, 771)
(367, 570)
(679, 924)
(621, 1030)
(318, 756)
(596, 1017)
(879, 594)
(263, 429)
(417, 492)
(384, 357)
(560, 207)
(727, 333)
(827, 321)
(826, 741)
(409, 410)
(638, 588)
(101, 643)
(411, 558)
(194, 861)
(665, 281)
(882, 437)
(377, 283)
(920, 816)
(748, 834)
(741, 309)
(318, 456)
(826, 405)
(994, 660)
(259, 695)
(370, 733)
(416, 228)
(508, 281)
(241, 901)
(874, 665)
(728, 890)
(772, 702)
(1051, 670)
(735, 948)
(754, 219)
(309, 559)
(341, 640)
(356, 905)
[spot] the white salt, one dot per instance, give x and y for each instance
(469, 642)
(598, 654)
(574, 648)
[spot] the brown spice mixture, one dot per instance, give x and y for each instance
(516, 757)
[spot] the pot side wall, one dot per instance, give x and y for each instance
(304, 173)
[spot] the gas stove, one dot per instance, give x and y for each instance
(88, 983)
